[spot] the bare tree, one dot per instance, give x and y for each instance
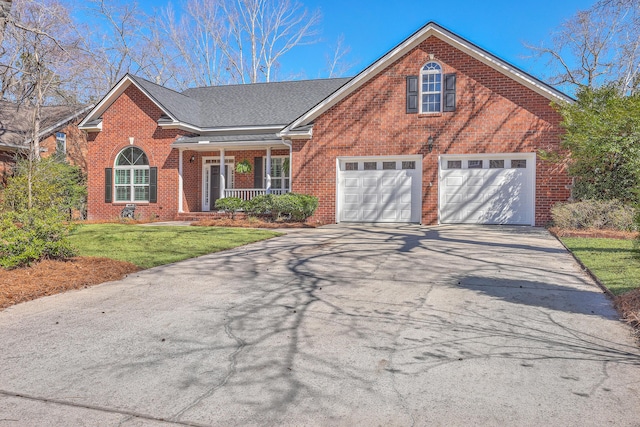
(336, 65)
(239, 41)
(597, 46)
(37, 64)
(5, 7)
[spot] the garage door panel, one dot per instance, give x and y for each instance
(351, 198)
(487, 196)
(369, 182)
(351, 183)
(381, 195)
(370, 199)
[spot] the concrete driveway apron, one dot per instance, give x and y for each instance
(340, 325)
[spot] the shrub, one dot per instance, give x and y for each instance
(260, 205)
(32, 235)
(289, 206)
(230, 205)
(609, 214)
(54, 184)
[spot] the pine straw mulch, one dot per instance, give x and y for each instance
(250, 223)
(594, 233)
(628, 305)
(49, 277)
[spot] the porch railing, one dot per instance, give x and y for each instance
(250, 193)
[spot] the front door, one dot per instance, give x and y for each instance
(215, 183)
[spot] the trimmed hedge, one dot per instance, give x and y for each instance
(598, 214)
(288, 206)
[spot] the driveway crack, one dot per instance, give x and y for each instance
(231, 369)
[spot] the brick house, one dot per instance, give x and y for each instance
(437, 130)
(59, 134)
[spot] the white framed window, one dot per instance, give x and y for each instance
(61, 143)
(431, 88)
(279, 172)
(131, 178)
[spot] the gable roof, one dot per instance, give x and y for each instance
(15, 122)
(207, 109)
(431, 29)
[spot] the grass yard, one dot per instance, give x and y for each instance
(150, 246)
(616, 262)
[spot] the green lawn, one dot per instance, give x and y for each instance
(149, 246)
(615, 262)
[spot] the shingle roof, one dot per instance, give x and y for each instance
(182, 107)
(258, 104)
(15, 121)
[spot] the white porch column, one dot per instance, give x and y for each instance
(223, 175)
(290, 165)
(268, 171)
(180, 180)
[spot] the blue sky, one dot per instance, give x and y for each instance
(373, 27)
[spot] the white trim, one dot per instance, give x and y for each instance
(176, 124)
(429, 30)
(242, 145)
(530, 157)
(207, 162)
(180, 180)
(415, 157)
(113, 95)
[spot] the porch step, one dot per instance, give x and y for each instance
(200, 216)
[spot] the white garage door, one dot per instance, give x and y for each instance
(379, 190)
(487, 189)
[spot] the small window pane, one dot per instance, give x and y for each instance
(388, 165)
(519, 164)
(141, 176)
(454, 164)
(496, 164)
(351, 166)
(123, 194)
(409, 165)
(475, 164)
(141, 193)
(370, 166)
(123, 177)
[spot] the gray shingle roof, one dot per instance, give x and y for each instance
(15, 121)
(258, 104)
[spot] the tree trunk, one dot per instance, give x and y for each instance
(5, 8)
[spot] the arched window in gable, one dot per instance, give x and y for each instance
(132, 176)
(431, 88)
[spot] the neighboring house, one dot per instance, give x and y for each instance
(59, 134)
(438, 130)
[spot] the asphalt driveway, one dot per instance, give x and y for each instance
(342, 325)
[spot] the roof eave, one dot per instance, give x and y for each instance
(114, 94)
(222, 129)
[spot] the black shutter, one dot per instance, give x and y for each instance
(449, 94)
(153, 185)
(257, 172)
(108, 185)
(412, 94)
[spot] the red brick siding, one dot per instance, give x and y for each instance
(133, 115)
(494, 114)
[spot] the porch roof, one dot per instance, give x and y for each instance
(245, 141)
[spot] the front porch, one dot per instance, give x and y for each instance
(208, 170)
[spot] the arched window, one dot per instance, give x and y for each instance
(132, 176)
(431, 88)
